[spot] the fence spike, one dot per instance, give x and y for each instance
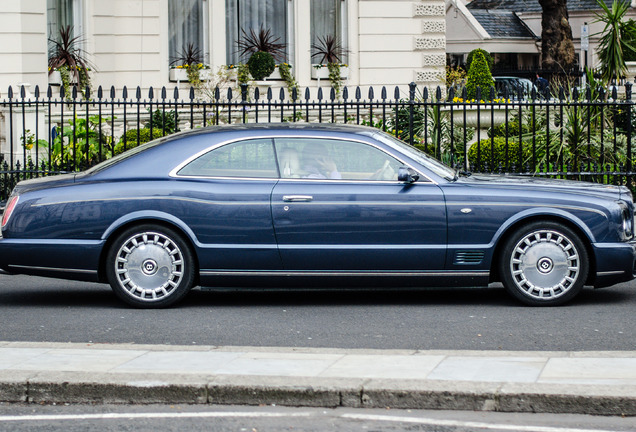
(358, 95)
(269, 94)
(491, 95)
(396, 93)
(307, 93)
(371, 95)
(628, 90)
(345, 93)
(575, 94)
(478, 96)
(229, 93)
(49, 92)
(37, 91)
(425, 93)
(176, 93)
(451, 93)
(332, 94)
(438, 93)
(217, 93)
(561, 93)
(257, 93)
(464, 93)
(22, 92)
(100, 92)
(74, 92)
(10, 92)
(151, 93)
(294, 93)
(281, 94)
(112, 92)
(62, 92)
(614, 93)
(588, 93)
(191, 95)
(383, 93)
(124, 93)
(164, 92)
(138, 93)
(319, 93)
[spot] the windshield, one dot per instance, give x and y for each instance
(418, 155)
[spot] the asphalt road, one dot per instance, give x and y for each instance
(50, 310)
(140, 418)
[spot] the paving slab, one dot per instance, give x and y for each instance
(562, 382)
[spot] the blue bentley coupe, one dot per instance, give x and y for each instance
(312, 205)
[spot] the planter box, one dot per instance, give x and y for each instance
(181, 75)
(322, 72)
(55, 78)
(631, 70)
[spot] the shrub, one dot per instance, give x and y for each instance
(261, 64)
(487, 56)
(129, 139)
(479, 76)
(485, 153)
(164, 120)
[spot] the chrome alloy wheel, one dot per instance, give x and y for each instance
(149, 266)
(545, 264)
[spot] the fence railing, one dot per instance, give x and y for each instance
(575, 135)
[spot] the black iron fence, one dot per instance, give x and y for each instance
(575, 135)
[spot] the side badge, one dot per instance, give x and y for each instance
(466, 210)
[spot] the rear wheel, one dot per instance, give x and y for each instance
(544, 264)
(150, 266)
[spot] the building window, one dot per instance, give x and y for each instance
(328, 19)
(62, 14)
(247, 15)
(188, 28)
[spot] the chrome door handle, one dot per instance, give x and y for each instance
(297, 198)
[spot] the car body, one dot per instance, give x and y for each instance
(510, 86)
(241, 205)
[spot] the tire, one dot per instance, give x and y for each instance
(150, 266)
(544, 264)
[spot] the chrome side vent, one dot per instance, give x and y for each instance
(469, 257)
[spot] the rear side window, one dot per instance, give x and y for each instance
(246, 159)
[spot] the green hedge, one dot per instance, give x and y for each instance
(131, 139)
(485, 147)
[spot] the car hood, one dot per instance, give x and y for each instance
(44, 182)
(551, 185)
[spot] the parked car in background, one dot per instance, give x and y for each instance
(312, 205)
(510, 86)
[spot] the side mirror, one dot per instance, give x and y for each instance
(407, 175)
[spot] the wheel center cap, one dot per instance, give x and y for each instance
(149, 267)
(545, 265)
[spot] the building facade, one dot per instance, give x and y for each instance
(134, 42)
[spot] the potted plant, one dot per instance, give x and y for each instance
(330, 52)
(68, 63)
(264, 50)
(189, 66)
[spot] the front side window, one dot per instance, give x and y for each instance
(317, 158)
(243, 159)
(244, 16)
(328, 21)
(188, 29)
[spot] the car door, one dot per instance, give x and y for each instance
(351, 213)
(229, 190)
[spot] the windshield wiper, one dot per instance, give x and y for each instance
(462, 173)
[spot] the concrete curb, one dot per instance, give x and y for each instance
(315, 392)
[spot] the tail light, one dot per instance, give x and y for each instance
(8, 210)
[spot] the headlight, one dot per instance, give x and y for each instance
(627, 221)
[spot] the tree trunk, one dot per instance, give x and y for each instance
(557, 48)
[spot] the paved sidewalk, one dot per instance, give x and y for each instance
(563, 382)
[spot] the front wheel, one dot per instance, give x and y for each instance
(150, 266)
(544, 264)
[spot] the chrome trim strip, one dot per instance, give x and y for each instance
(337, 273)
(611, 273)
(53, 269)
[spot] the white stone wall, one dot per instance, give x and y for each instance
(391, 42)
(23, 43)
(402, 42)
